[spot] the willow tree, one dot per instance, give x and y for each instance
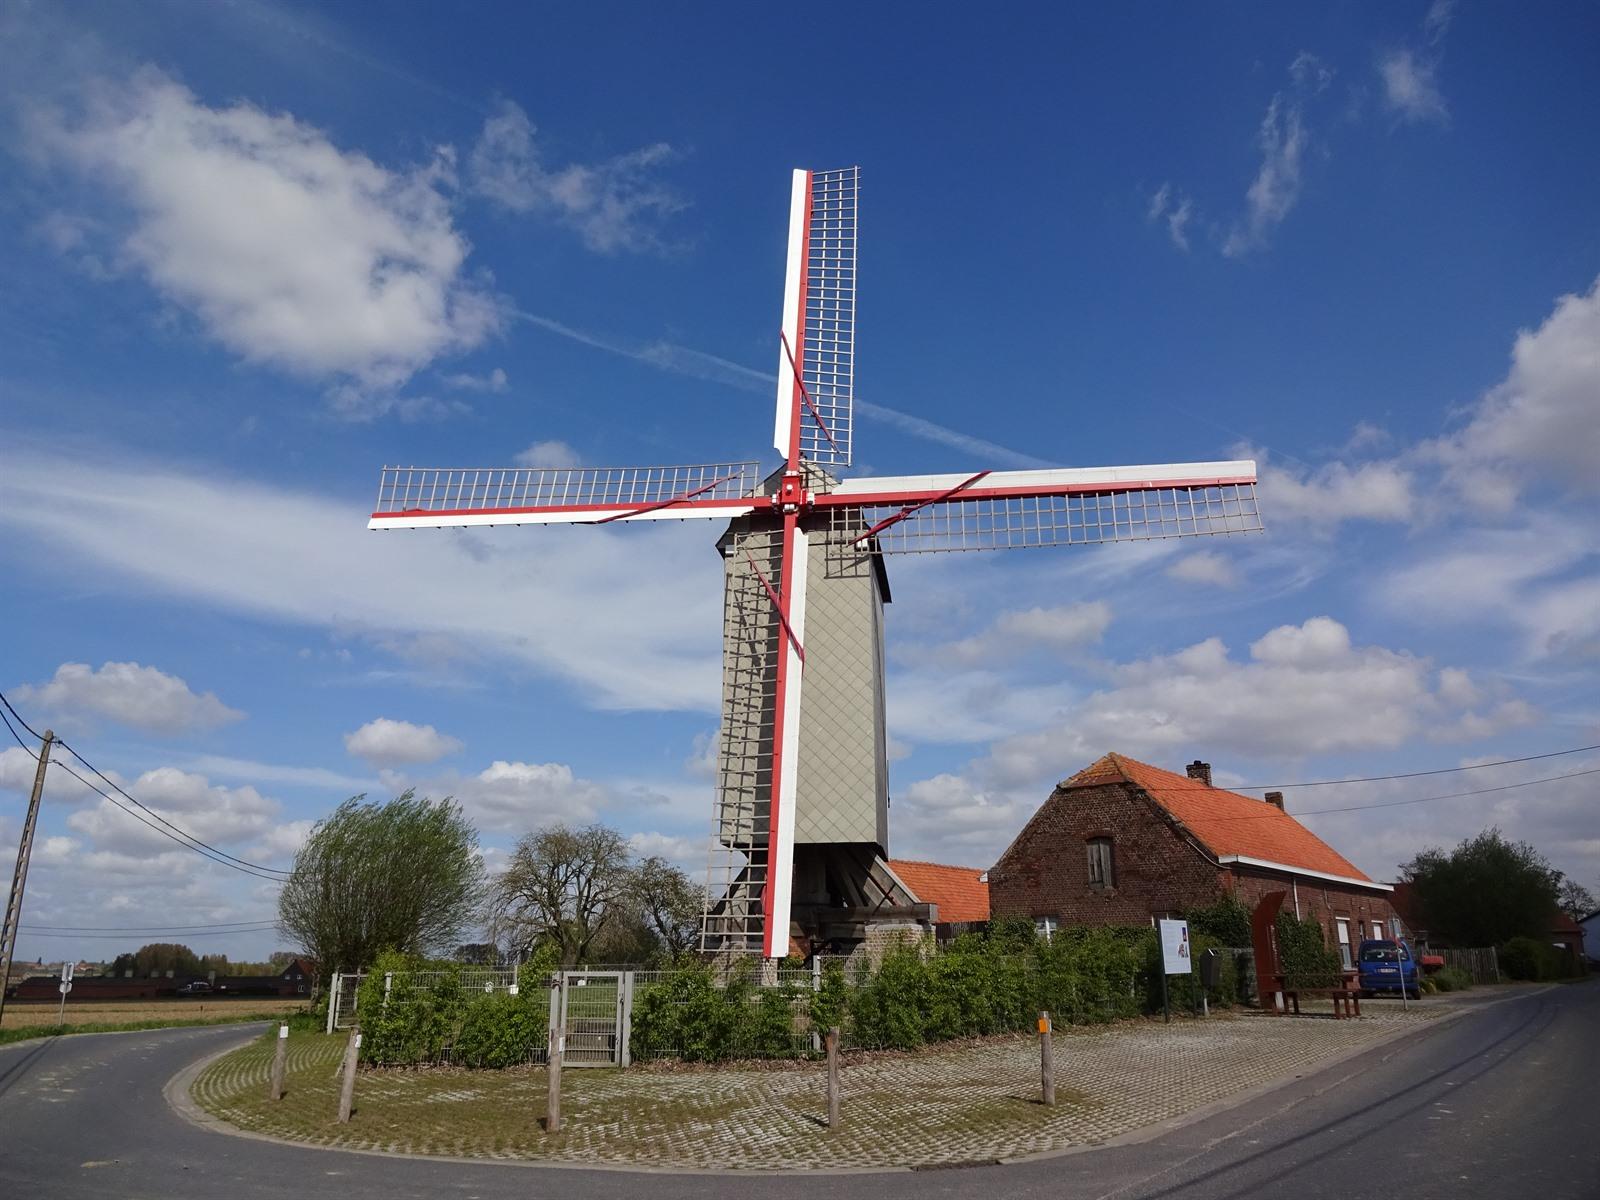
(403, 875)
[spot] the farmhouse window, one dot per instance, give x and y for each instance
(1102, 867)
(1046, 927)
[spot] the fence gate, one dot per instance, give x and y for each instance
(592, 1012)
(342, 991)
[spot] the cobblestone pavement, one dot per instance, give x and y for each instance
(973, 1103)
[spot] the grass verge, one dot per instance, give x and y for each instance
(25, 1033)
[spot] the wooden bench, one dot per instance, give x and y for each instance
(1346, 1001)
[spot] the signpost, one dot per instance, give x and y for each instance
(64, 987)
(1175, 957)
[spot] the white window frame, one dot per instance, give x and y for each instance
(1341, 930)
(1046, 927)
(1377, 931)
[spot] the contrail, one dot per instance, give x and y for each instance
(697, 364)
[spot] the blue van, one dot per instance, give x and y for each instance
(1387, 966)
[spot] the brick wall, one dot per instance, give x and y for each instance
(1320, 901)
(1045, 872)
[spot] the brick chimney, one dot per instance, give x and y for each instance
(1275, 799)
(1200, 770)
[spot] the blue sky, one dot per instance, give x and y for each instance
(255, 251)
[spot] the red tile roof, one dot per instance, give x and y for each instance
(1225, 822)
(961, 893)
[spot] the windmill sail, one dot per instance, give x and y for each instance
(1002, 510)
(817, 351)
(446, 497)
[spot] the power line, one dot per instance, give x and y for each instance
(1504, 787)
(178, 834)
(218, 927)
(27, 749)
(187, 845)
(214, 851)
(112, 937)
(20, 721)
(1504, 762)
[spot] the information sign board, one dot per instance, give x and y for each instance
(1175, 957)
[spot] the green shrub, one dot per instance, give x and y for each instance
(502, 1030)
(406, 1025)
(1305, 958)
(1451, 979)
(1228, 921)
(1529, 958)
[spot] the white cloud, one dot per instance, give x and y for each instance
(614, 205)
(629, 615)
(1518, 578)
(1543, 420)
(547, 454)
(142, 697)
(18, 768)
(290, 251)
(1310, 72)
(1410, 88)
(1335, 492)
(1061, 629)
(386, 743)
(218, 815)
(1437, 21)
(518, 797)
(1207, 567)
(1276, 188)
(495, 381)
(1176, 211)
(1305, 689)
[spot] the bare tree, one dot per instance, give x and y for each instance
(1575, 900)
(671, 903)
(404, 876)
(561, 886)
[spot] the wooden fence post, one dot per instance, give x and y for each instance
(833, 1077)
(552, 1110)
(1047, 1061)
(280, 1060)
(347, 1090)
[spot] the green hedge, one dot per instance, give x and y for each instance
(989, 983)
(1529, 958)
(996, 982)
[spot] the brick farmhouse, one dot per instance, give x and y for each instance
(1123, 842)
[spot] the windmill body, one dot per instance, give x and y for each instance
(800, 817)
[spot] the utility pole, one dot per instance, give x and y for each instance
(8, 934)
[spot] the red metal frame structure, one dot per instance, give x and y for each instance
(814, 426)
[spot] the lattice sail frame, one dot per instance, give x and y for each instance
(427, 497)
(819, 318)
(1024, 522)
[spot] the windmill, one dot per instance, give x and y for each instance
(800, 827)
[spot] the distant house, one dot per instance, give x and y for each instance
(294, 980)
(1567, 936)
(959, 895)
(1123, 842)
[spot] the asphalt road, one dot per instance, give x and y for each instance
(1500, 1102)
